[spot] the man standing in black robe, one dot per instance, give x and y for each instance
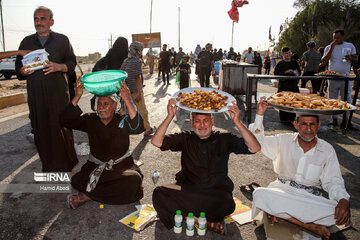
(287, 67)
(165, 64)
(48, 93)
(206, 62)
(203, 184)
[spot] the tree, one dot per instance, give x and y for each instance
(328, 15)
(301, 4)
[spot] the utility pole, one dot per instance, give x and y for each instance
(110, 41)
(2, 26)
(151, 14)
(179, 27)
(232, 34)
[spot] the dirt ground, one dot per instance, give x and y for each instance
(12, 86)
(45, 216)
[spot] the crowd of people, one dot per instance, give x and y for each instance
(339, 56)
(306, 165)
(204, 59)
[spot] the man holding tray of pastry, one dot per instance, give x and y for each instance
(203, 183)
(307, 169)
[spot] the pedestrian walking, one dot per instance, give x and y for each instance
(206, 63)
(165, 59)
(258, 61)
(133, 66)
(310, 64)
(267, 64)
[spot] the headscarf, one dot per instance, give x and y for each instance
(117, 54)
(114, 97)
(135, 49)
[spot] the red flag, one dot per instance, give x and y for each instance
(233, 13)
(240, 3)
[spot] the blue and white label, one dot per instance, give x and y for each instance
(190, 227)
(202, 226)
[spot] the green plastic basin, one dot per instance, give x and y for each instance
(103, 83)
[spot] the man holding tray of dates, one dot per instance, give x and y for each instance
(308, 170)
(203, 183)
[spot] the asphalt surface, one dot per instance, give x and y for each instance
(46, 216)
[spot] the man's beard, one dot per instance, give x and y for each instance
(100, 115)
(203, 135)
(306, 139)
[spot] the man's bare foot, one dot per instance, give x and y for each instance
(218, 227)
(320, 230)
(273, 219)
(73, 172)
(76, 200)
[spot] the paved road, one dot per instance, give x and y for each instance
(45, 216)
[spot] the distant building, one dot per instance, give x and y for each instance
(90, 58)
(93, 57)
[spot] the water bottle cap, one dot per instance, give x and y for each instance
(178, 212)
(190, 215)
(202, 214)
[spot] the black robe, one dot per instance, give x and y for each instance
(203, 184)
(287, 85)
(48, 96)
(184, 77)
(122, 184)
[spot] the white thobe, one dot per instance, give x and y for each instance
(317, 167)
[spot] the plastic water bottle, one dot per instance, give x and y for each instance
(178, 222)
(202, 224)
(155, 176)
(190, 221)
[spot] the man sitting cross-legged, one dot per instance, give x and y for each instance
(203, 184)
(109, 141)
(306, 165)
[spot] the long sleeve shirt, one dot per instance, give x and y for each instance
(317, 167)
(106, 141)
(204, 162)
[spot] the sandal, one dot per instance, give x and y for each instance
(216, 227)
(249, 188)
(76, 200)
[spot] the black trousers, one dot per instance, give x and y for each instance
(314, 83)
(267, 71)
(291, 86)
(204, 76)
(214, 202)
(167, 76)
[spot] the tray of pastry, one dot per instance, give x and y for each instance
(330, 73)
(308, 103)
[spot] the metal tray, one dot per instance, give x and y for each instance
(330, 75)
(191, 90)
(312, 111)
